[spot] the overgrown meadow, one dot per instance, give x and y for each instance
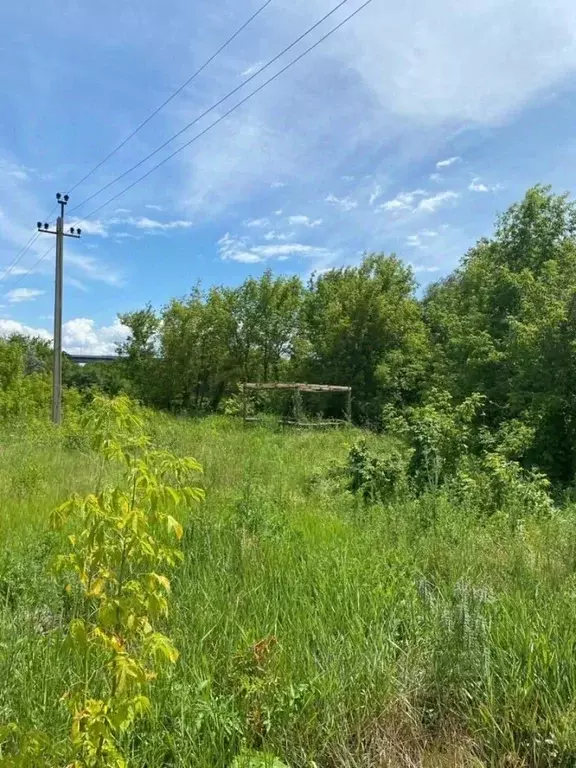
(182, 588)
(320, 612)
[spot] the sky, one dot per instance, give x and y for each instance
(406, 131)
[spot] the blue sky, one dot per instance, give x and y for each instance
(406, 131)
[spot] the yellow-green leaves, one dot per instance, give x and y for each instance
(122, 540)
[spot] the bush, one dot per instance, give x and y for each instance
(378, 475)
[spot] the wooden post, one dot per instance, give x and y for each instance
(349, 405)
(244, 408)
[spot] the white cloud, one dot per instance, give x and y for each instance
(476, 185)
(287, 249)
(414, 241)
(397, 204)
(345, 203)
(375, 194)
(274, 235)
(89, 227)
(252, 69)
(304, 221)
(277, 184)
(402, 202)
(11, 327)
(256, 223)
(14, 272)
(448, 162)
(461, 66)
(143, 222)
(15, 171)
(92, 268)
(417, 240)
(424, 268)
(17, 295)
(153, 207)
(436, 177)
(431, 204)
(240, 249)
(80, 336)
(75, 283)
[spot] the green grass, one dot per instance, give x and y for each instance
(406, 635)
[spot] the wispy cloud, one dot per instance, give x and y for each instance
(256, 223)
(448, 162)
(252, 69)
(89, 227)
(477, 186)
(15, 171)
(345, 203)
(413, 241)
(143, 222)
(436, 177)
(417, 240)
(241, 250)
(305, 221)
(14, 272)
(418, 268)
(431, 204)
(93, 268)
(17, 295)
(375, 194)
(402, 202)
(274, 235)
(75, 283)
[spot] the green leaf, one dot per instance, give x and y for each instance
(174, 526)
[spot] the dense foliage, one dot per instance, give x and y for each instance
(501, 326)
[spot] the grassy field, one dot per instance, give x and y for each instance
(403, 635)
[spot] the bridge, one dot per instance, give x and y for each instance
(92, 358)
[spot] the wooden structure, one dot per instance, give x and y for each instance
(298, 388)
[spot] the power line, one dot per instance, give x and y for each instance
(22, 252)
(33, 237)
(169, 99)
(216, 104)
(208, 61)
(229, 112)
(219, 120)
(32, 268)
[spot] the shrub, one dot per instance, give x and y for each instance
(378, 475)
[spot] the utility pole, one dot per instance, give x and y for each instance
(58, 283)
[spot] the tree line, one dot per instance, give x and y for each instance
(502, 325)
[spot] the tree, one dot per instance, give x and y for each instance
(504, 325)
(139, 351)
(194, 350)
(364, 329)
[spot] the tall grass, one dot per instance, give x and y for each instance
(409, 634)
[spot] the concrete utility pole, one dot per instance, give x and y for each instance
(59, 279)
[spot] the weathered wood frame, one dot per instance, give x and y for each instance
(300, 387)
